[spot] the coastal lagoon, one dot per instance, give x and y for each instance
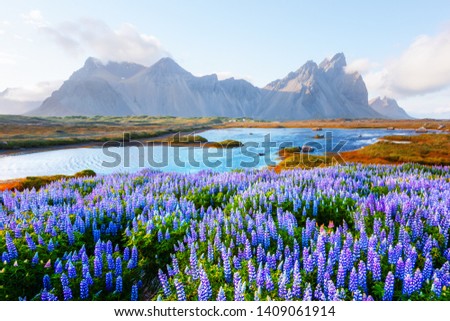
(260, 150)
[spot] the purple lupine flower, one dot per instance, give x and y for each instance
(331, 291)
(307, 295)
(247, 250)
(296, 283)
(109, 281)
(239, 291)
(353, 282)
(320, 268)
(126, 254)
(340, 282)
(110, 262)
(134, 292)
(50, 246)
(35, 259)
(251, 272)
(84, 289)
(357, 296)
(164, 282)
(389, 287)
(237, 263)
(64, 280)
(210, 252)
(408, 267)
(260, 276)
(30, 242)
(221, 295)
(98, 267)
(204, 289)
(427, 269)
(41, 240)
(318, 293)
(271, 261)
(134, 254)
(67, 293)
(89, 279)
(305, 254)
(436, 288)
(131, 264)
(175, 266)
(84, 270)
(289, 295)
(181, 296)
(260, 256)
(119, 285)
(418, 279)
(308, 263)
(44, 295)
(282, 290)
(376, 269)
(109, 247)
(58, 268)
(10, 247)
(400, 269)
(362, 276)
(408, 285)
(46, 282)
(118, 269)
(268, 280)
(227, 269)
(71, 271)
(5, 257)
(84, 258)
(194, 263)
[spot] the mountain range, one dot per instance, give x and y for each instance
(313, 91)
(388, 107)
(8, 103)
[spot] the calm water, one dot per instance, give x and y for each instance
(184, 159)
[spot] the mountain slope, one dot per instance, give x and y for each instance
(389, 108)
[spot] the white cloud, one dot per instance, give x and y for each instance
(435, 105)
(360, 65)
(35, 18)
(91, 37)
(7, 59)
(4, 24)
(424, 67)
(36, 92)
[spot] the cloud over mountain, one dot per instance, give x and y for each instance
(93, 37)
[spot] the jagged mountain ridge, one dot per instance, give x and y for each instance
(388, 107)
(312, 92)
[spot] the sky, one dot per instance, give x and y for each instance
(401, 48)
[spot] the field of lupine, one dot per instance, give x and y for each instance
(338, 233)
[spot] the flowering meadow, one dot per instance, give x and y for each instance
(338, 233)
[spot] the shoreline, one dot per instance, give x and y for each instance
(87, 144)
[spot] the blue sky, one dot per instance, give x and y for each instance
(400, 47)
